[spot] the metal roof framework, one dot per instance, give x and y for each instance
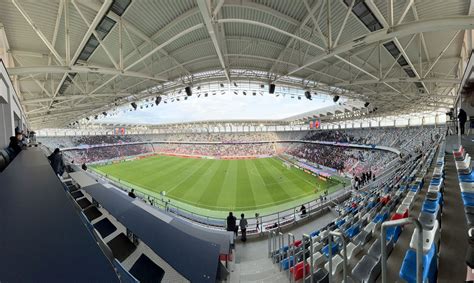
(157, 47)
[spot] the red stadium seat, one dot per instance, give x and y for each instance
(297, 271)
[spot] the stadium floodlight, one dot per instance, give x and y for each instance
(95, 117)
(198, 87)
(134, 105)
(254, 93)
(307, 94)
(188, 91)
(366, 104)
(222, 85)
(236, 93)
(335, 98)
(244, 93)
(235, 84)
(105, 113)
(271, 88)
(158, 100)
(205, 95)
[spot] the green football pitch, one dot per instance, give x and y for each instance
(262, 185)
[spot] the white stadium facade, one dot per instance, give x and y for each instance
(387, 84)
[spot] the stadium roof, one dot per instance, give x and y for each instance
(73, 59)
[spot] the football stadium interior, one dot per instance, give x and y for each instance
(236, 141)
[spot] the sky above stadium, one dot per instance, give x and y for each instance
(219, 107)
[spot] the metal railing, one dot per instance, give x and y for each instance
(419, 246)
(344, 250)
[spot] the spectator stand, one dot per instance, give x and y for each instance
(150, 227)
(50, 248)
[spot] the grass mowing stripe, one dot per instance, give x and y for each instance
(166, 178)
(244, 195)
(261, 194)
(226, 197)
(274, 188)
(186, 184)
(297, 185)
(215, 184)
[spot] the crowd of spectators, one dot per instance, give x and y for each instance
(223, 150)
(346, 160)
(95, 154)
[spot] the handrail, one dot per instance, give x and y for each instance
(291, 239)
(344, 247)
(419, 246)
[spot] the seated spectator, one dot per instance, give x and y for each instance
(56, 160)
(132, 194)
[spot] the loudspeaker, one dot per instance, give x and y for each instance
(271, 88)
(158, 100)
(188, 91)
(335, 98)
(134, 105)
(366, 104)
(307, 94)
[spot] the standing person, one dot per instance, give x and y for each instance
(462, 116)
(303, 210)
(132, 194)
(231, 223)
(56, 160)
(243, 227)
(256, 219)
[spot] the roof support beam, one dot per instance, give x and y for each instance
(79, 69)
(73, 97)
(133, 29)
(395, 62)
(205, 9)
(346, 17)
(96, 35)
(399, 80)
(405, 11)
(184, 32)
(38, 31)
(441, 54)
(442, 24)
(311, 11)
(402, 50)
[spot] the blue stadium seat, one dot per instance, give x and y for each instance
(352, 231)
(430, 207)
(335, 249)
(408, 269)
(286, 263)
(393, 233)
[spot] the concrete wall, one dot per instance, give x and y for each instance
(11, 113)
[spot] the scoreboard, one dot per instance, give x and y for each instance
(119, 131)
(315, 124)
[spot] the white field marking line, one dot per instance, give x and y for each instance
(291, 171)
(184, 180)
(251, 207)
